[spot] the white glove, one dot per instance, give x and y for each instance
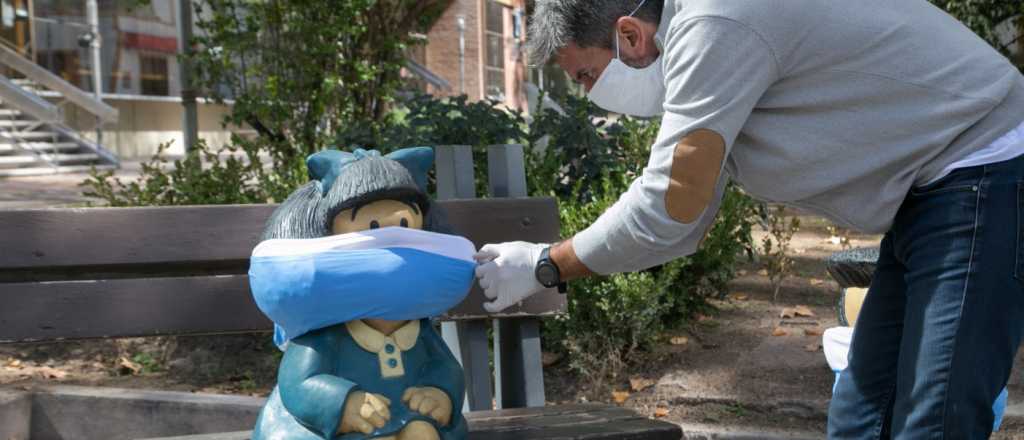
(506, 272)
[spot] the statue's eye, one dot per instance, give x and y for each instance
(374, 224)
(404, 223)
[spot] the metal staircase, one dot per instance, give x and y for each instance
(34, 138)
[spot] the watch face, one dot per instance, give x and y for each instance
(546, 275)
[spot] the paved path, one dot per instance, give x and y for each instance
(59, 190)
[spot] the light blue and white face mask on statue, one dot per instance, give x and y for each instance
(392, 273)
(629, 90)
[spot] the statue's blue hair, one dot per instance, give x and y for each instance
(341, 181)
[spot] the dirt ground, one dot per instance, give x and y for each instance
(744, 365)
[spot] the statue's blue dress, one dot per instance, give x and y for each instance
(322, 367)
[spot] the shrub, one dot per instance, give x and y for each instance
(202, 177)
(985, 17)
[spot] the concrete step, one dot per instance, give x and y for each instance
(30, 135)
(16, 123)
(39, 171)
(7, 148)
(27, 159)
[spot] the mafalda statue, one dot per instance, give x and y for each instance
(350, 269)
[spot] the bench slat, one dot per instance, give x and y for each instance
(42, 239)
(167, 306)
(563, 422)
(129, 307)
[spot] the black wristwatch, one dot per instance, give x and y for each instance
(547, 272)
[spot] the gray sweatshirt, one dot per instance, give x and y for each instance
(836, 107)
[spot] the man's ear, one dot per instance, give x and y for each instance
(630, 34)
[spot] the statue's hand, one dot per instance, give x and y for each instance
(430, 402)
(364, 412)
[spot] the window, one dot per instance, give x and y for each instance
(65, 64)
(153, 75)
(417, 53)
(494, 66)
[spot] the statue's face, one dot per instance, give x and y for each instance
(379, 214)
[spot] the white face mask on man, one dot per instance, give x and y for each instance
(629, 90)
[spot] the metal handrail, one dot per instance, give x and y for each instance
(11, 58)
(12, 46)
(28, 102)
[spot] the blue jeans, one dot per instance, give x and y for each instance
(938, 331)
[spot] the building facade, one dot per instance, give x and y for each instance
(474, 48)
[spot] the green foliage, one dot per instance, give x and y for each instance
(427, 120)
(456, 121)
(611, 321)
(202, 177)
(608, 319)
(984, 16)
(775, 245)
(574, 148)
(148, 363)
(299, 71)
(581, 146)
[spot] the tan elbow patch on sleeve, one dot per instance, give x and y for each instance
(696, 164)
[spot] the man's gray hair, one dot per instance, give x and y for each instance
(588, 23)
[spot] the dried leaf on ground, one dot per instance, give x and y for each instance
(14, 363)
(679, 340)
(126, 366)
(640, 383)
(779, 331)
(739, 297)
(763, 272)
(813, 347)
(793, 312)
(51, 373)
(803, 311)
(660, 412)
(814, 331)
(817, 282)
(620, 396)
(548, 359)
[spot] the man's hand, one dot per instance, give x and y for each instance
(506, 272)
(364, 412)
(430, 402)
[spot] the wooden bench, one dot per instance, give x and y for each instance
(127, 272)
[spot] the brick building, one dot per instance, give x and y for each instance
(476, 47)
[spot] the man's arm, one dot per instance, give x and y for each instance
(716, 71)
(570, 266)
(696, 170)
